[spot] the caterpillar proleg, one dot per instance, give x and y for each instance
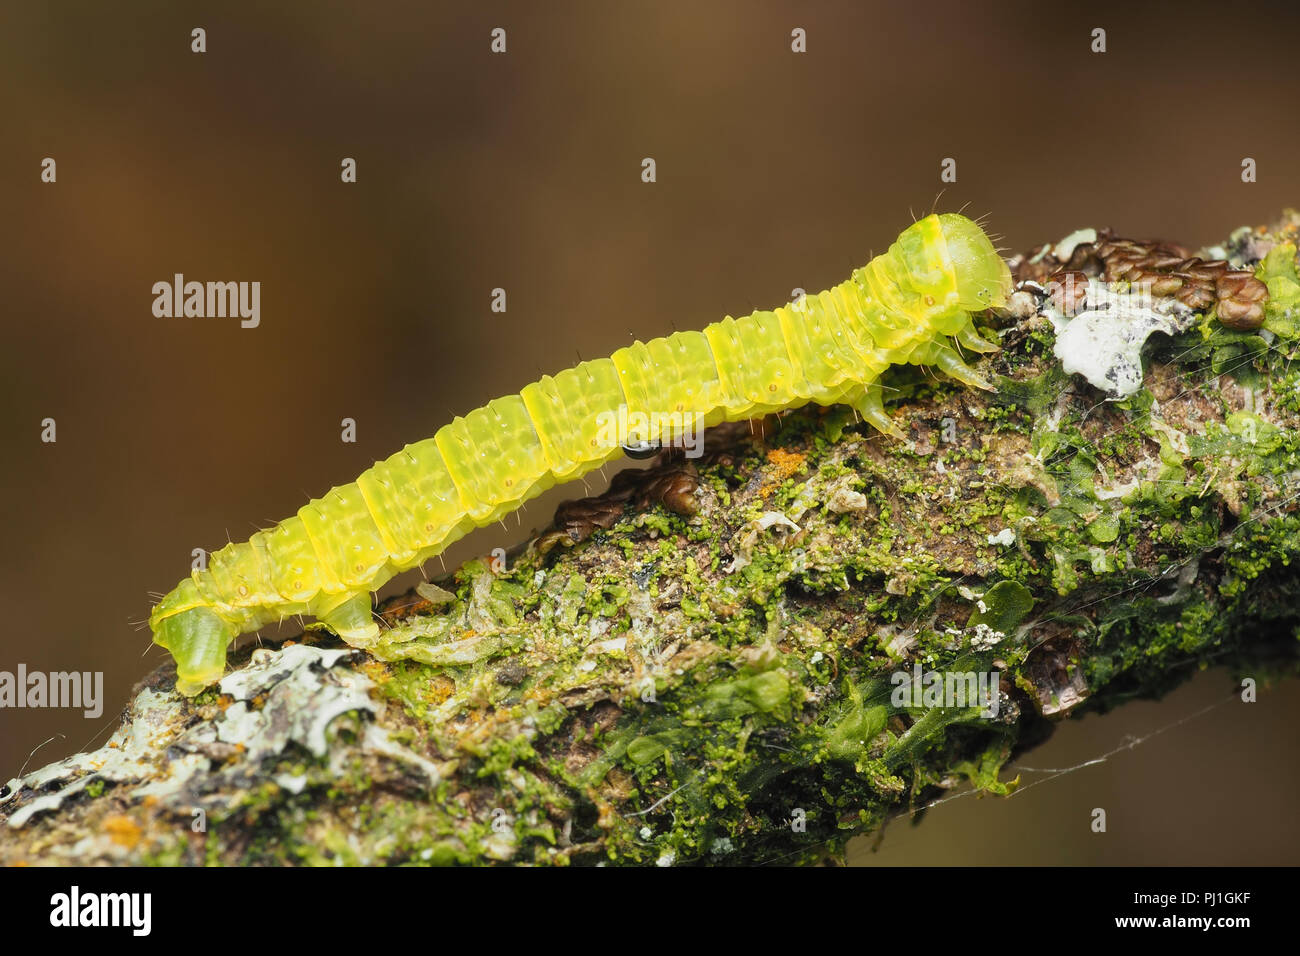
(909, 305)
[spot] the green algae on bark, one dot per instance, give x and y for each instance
(703, 665)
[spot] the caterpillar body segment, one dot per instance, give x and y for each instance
(565, 412)
(910, 305)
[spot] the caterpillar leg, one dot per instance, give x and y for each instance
(348, 615)
(968, 338)
(197, 639)
(948, 361)
(869, 404)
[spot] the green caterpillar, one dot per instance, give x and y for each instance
(910, 305)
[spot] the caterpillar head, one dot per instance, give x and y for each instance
(983, 279)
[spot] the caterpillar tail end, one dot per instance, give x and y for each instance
(197, 639)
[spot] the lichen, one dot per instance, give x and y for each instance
(702, 669)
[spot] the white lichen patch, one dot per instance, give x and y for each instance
(1177, 439)
(617, 645)
(750, 534)
(1104, 342)
(1006, 537)
(1138, 474)
(128, 756)
(1065, 248)
(285, 680)
(841, 498)
(434, 594)
(282, 699)
(984, 637)
(897, 643)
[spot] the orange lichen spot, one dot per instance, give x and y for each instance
(607, 816)
(122, 830)
(784, 464)
(440, 689)
(377, 671)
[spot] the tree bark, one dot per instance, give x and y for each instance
(703, 664)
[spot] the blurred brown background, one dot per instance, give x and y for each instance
(522, 170)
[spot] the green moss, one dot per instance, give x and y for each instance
(1278, 272)
(1005, 605)
(605, 600)
(631, 700)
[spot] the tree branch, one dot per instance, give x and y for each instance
(701, 664)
